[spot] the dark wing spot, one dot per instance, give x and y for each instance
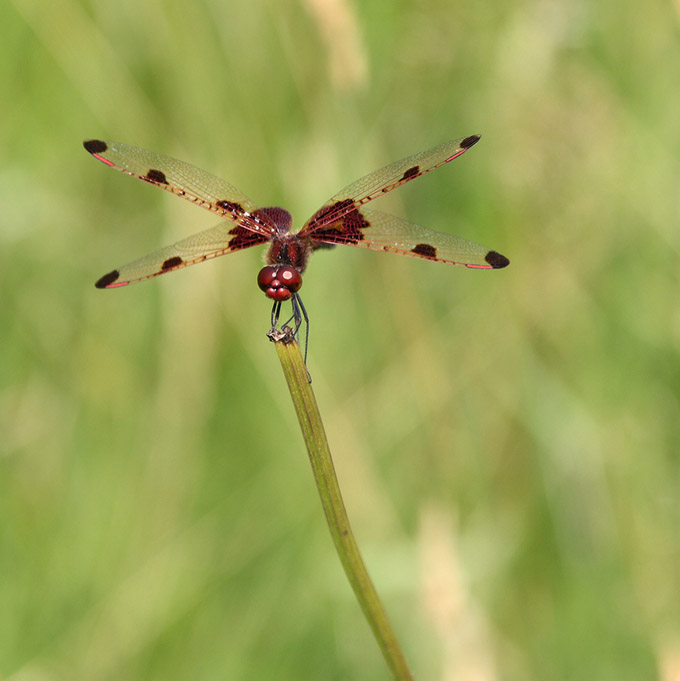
(339, 223)
(425, 250)
(243, 238)
(95, 146)
(496, 260)
(175, 261)
(411, 172)
(107, 279)
(330, 214)
(231, 207)
(156, 176)
(470, 141)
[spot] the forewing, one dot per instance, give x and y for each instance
(211, 243)
(383, 232)
(182, 179)
(340, 208)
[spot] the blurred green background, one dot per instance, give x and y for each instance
(507, 441)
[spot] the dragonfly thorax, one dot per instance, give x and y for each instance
(290, 249)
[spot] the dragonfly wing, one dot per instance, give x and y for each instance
(182, 179)
(383, 232)
(344, 206)
(211, 243)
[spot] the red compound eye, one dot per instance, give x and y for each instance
(266, 276)
(290, 278)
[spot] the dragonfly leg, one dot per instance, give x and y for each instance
(300, 314)
(276, 311)
(287, 334)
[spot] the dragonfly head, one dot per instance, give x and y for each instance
(279, 282)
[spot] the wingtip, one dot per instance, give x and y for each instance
(496, 260)
(470, 141)
(108, 279)
(95, 146)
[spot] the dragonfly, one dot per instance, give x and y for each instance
(341, 220)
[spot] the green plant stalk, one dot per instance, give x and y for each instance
(314, 435)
